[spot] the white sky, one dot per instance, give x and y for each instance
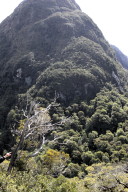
(110, 16)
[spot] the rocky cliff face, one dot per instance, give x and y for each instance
(51, 46)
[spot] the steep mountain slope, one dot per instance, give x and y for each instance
(48, 47)
(123, 59)
(50, 50)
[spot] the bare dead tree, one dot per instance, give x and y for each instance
(38, 122)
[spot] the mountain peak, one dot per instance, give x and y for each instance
(41, 9)
(31, 11)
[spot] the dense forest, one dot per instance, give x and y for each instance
(63, 102)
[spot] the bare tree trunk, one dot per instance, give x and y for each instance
(19, 145)
(39, 122)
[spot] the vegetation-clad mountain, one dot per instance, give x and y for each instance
(123, 59)
(51, 49)
(49, 43)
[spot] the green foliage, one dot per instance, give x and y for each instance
(95, 134)
(99, 177)
(63, 54)
(53, 162)
(72, 170)
(68, 83)
(88, 157)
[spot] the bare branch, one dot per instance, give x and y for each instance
(40, 148)
(38, 122)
